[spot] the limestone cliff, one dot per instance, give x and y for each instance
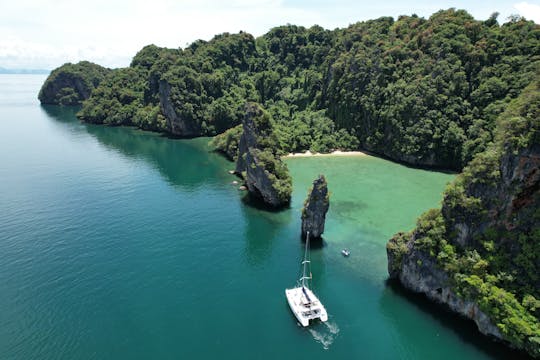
(266, 176)
(250, 133)
(315, 209)
(70, 84)
(418, 271)
(480, 254)
(176, 123)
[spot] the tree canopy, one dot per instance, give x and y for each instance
(495, 260)
(70, 84)
(422, 91)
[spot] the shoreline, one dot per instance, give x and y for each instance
(333, 153)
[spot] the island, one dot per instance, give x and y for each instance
(447, 92)
(71, 84)
(315, 208)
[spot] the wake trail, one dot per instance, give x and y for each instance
(325, 333)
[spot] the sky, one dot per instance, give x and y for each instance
(44, 34)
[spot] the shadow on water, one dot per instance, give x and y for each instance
(262, 229)
(316, 244)
(185, 163)
(260, 234)
(464, 328)
(62, 114)
(257, 203)
(318, 267)
(348, 209)
(440, 169)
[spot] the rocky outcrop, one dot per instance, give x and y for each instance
(266, 176)
(419, 272)
(480, 253)
(315, 209)
(70, 84)
(176, 124)
(248, 139)
(507, 208)
(506, 204)
(260, 183)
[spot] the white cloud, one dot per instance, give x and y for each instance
(529, 11)
(110, 33)
(47, 33)
(16, 53)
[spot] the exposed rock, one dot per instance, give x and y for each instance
(70, 84)
(480, 253)
(176, 125)
(508, 205)
(419, 272)
(248, 139)
(265, 174)
(315, 209)
(426, 159)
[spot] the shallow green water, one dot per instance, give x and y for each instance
(121, 244)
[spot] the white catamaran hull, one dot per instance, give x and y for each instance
(305, 305)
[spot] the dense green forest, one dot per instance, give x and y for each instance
(486, 237)
(421, 91)
(70, 84)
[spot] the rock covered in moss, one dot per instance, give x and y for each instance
(177, 123)
(418, 271)
(266, 176)
(480, 253)
(70, 84)
(248, 137)
(315, 209)
(228, 142)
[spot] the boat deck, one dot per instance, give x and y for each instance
(305, 305)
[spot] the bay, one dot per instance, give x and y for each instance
(121, 244)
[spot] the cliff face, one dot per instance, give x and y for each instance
(248, 137)
(315, 209)
(265, 174)
(176, 124)
(428, 160)
(70, 84)
(418, 271)
(480, 254)
(259, 181)
(508, 201)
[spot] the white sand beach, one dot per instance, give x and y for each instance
(333, 153)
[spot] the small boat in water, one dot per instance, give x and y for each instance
(345, 252)
(302, 301)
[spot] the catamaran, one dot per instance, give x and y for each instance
(302, 301)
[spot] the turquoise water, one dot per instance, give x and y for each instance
(122, 244)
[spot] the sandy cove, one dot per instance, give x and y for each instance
(333, 153)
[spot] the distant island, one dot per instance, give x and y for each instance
(446, 92)
(23, 71)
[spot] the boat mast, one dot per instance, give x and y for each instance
(305, 262)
